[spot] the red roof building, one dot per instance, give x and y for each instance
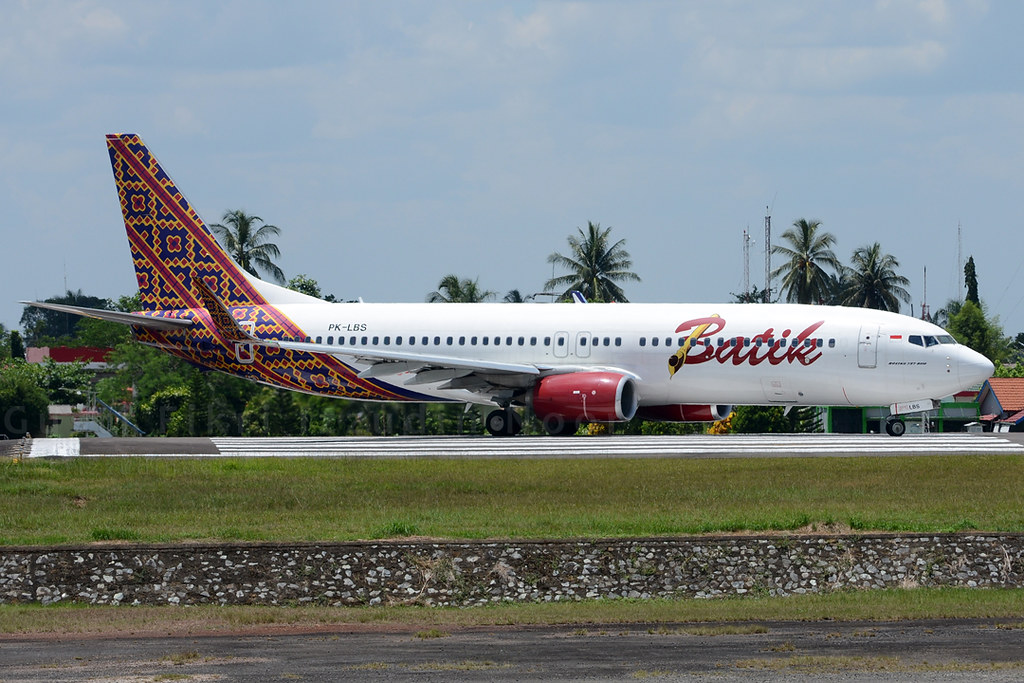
(94, 358)
(1002, 403)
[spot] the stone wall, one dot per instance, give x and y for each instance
(473, 573)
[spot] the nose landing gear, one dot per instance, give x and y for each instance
(895, 427)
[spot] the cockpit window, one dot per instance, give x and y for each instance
(946, 339)
(915, 339)
(931, 341)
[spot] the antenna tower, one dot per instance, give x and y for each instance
(925, 313)
(767, 255)
(746, 261)
(959, 262)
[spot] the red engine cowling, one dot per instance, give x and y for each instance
(684, 413)
(586, 397)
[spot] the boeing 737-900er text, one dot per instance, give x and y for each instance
(569, 363)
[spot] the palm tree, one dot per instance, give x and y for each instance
(804, 278)
(595, 265)
(248, 244)
(942, 316)
(452, 290)
(873, 281)
(514, 296)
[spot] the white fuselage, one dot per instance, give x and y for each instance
(744, 354)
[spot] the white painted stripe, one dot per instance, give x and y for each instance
(730, 446)
(640, 446)
(54, 448)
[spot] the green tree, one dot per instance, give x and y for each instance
(760, 420)
(326, 416)
(942, 315)
(756, 295)
(971, 281)
(103, 333)
(1009, 370)
(154, 414)
(44, 327)
(514, 296)
(971, 327)
(139, 372)
(873, 281)
(773, 420)
(1016, 350)
(248, 243)
(272, 412)
(65, 383)
(452, 290)
(193, 417)
(805, 274)
(100, 333)
(595, 266)
(16, 346)
(310, 287)
(24, 405)
(27, 390)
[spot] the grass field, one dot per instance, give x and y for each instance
(1006, 606)
(166, 500)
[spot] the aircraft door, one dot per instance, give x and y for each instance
(561, 342)
(867, 347)
(583, 345)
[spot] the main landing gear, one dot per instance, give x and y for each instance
(895, 427)
(504, 422)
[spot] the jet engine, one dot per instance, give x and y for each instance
(684, 413)
(563, 401)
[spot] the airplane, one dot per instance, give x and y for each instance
(568, 363)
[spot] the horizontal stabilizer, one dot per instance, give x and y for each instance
(139, 319)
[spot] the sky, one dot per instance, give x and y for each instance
(397, 142)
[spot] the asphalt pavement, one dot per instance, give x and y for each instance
(664, 446)
(936, 650)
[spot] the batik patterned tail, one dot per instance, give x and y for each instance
(171, 246)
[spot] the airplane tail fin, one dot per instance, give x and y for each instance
(171, 245)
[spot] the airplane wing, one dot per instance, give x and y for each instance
(472, 374)
(139, 319)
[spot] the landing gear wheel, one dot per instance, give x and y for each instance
(517, 421)
(895, 427)
(504, 422)
(556, 425)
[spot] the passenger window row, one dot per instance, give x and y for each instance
(388, 340)
(744, 341)
(476, 340)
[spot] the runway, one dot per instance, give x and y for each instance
(934, 650)
(692, 446)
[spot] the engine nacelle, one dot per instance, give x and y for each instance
(684, 413)
(586, 397)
